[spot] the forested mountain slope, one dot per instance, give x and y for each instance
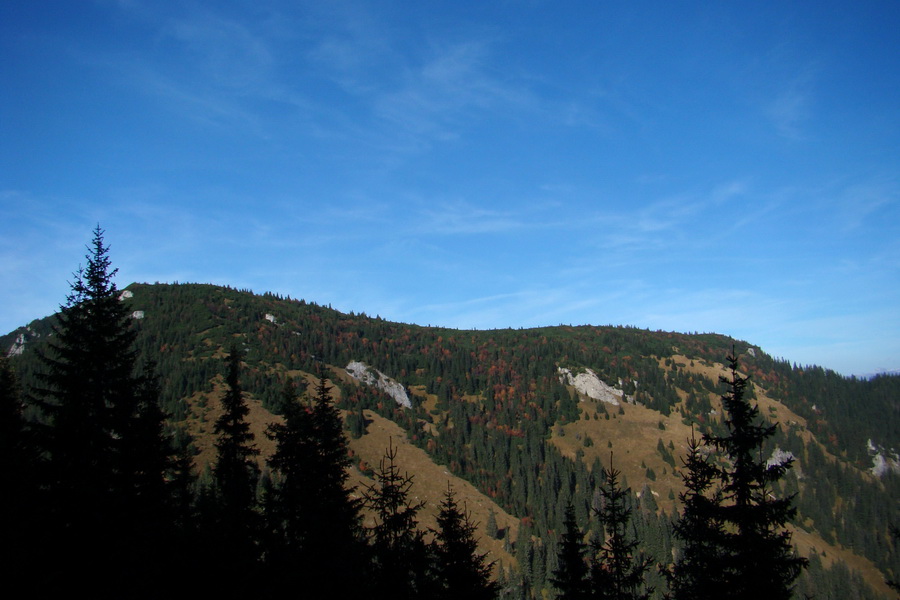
(529, 417)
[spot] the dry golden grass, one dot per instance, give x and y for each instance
(633, 438)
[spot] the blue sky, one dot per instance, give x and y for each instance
(729, 167)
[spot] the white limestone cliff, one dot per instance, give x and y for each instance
(362, 372)
(884, 461)
(589, 384)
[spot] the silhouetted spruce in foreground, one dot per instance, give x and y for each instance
(699, 571)
(618, 569)
(732, 526)
(571, 574)
(461, 571)
(314, 539)
(400, 565)
(760, 560)
(106, 452)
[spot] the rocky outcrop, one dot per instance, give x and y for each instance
(884, 461)
(779, 457)
(587, 383)
(18, 345)
(366, 374)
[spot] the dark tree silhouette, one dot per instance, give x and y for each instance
(618, 571)
(313, 519)
(102, 436)
(288, 495)
(21, 501)
(699, 569)
(760, 560)
(148, 488)
(491, 528)
(571, 575)
(461, 571)
(235, 524)
(400, 561)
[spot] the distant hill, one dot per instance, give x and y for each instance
(513, 417)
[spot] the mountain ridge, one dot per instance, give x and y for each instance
(490, 407)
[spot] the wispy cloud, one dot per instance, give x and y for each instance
(464, 218)
(226, 51)
(788, 111)
(452, 83)
(417, 92)
(861, 201)
(791, 107)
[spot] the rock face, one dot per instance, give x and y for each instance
(18, 346)
(883, 461)
(376, 378)
(779, 457)
(588, 384)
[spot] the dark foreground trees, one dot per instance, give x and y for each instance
(21, 509)
(102, 438)
(571, 575)
(106, 482)
(612, 568)
(699, 573)
(399, 558)
(403, 564)
(619, 569)
(314, 531)
(732, 526)
(96, 501)
(760, 560)
(230, 510)
(460, 571)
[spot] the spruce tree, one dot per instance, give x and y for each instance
(461, 571)
(699, 569)
(234, 529)
(400, 561)
(337, 533)
(618, 571)
(760, 561)
(87, 386)
(571, 575)
(491, 528)
(17, 451)
(311, 512)
(287, 497)
(95, 426)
